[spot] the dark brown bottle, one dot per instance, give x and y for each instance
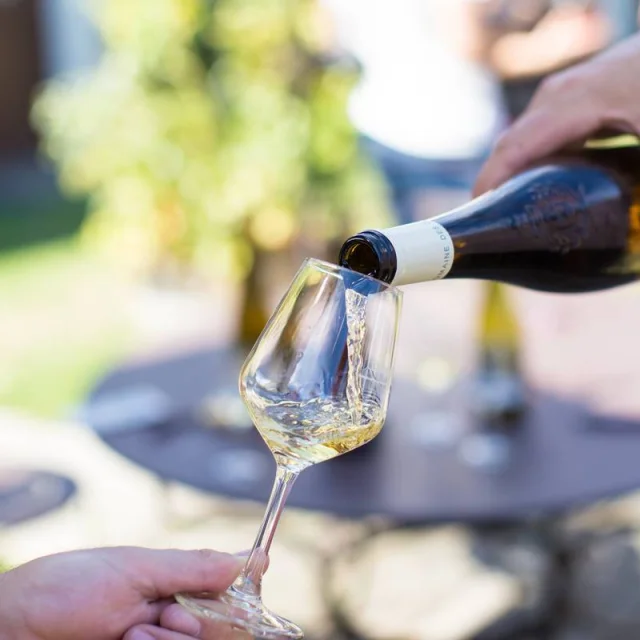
(570, 224)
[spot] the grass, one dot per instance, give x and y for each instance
(51, 382)
(60, 324)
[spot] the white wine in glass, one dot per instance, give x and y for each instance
(316, 384)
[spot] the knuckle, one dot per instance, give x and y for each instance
(209, 554)
(620, 119)
(549, 85)
(134, 632)
(503, 143)
(209, 557)
(507, 148)
(557, 83)
(634, 123)
(629, 119)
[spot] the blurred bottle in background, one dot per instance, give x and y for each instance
(498, 393)
(499, 396)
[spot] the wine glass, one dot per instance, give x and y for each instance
(316, 384)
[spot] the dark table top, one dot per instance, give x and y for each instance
(560, 458)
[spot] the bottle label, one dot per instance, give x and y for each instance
(424, 251)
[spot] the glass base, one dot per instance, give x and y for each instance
(237, 616)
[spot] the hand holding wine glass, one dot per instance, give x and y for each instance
(104, 593)
(317, 385)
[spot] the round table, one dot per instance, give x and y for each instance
(550, 463)
(551, 466)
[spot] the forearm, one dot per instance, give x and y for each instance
(562, 38)
(519, 56)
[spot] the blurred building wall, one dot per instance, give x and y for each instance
(20, 70)
(70, 42)
(38, 39)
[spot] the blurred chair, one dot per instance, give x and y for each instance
(28, 494)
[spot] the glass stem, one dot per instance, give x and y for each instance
(249, 582)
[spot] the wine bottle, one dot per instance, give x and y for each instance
(569, 224)
(253, 313)
(499, 391)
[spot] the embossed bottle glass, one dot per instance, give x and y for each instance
(570, 224)
(316, 384)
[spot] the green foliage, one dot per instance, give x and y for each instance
(209, 127)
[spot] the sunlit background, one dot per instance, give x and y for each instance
(166, 165)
